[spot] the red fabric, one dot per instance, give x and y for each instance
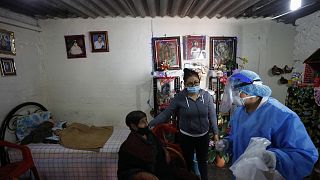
(16, 169)
(161, 130)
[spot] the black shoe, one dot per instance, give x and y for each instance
(282, 80)
(286, 69)
(277, 71)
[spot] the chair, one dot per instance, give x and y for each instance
(167, 134)
(14, 170)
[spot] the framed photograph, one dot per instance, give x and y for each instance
(166, 53)
(7, 42)
(223, 52)
(99, 41)
(194, 47)
(164, 90)
(75, 46)
(8, 67)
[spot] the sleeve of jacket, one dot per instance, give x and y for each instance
(294, 150)
(212, 114)
(167, 113)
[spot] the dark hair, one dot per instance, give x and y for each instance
(188, 73)
(134, 117)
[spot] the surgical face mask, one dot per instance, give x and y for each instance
(143, 131)
(237, 100)
(193, 89)
(243, 100)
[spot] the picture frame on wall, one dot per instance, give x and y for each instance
(75, 46)
(99, 41)
(164, 90)
(223, 52)
(194, 47)
(8, 67)
(7, 42)
(166, 53)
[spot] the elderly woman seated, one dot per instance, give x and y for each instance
(142, 156)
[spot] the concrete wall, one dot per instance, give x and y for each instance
(30, 83)
(307, 40)
(104, 87)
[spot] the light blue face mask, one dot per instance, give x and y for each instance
(193, 89)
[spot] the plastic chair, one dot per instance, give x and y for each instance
(14, 170)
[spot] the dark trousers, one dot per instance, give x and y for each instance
(199, 145)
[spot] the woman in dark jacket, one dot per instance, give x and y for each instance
(141, 156)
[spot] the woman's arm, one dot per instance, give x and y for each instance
(166, 114)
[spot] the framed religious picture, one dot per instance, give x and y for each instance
(75, 46)
(194, 47)
(166, 53)
(99, 41)
(7, 42)
(8, 67)
(223, 52)
(164, 90)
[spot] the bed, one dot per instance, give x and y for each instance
(54, 161)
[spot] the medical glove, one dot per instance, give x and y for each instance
(222, 145)
(269, 159)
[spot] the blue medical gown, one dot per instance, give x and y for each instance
(294, 150)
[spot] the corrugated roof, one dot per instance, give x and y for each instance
(276, 9)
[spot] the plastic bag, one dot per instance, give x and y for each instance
(250, 165)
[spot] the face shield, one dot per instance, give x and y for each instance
(232, 90)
